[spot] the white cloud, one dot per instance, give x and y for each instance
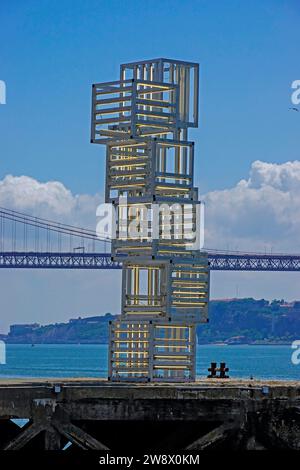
(48, 200)
(284, 177)
(262, 212)
(27, 193)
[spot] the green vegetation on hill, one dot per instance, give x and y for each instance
(250, 321)
(80, 330)
(232, 321)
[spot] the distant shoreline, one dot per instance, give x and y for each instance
(232, 322)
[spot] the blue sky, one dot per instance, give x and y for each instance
(52, 51)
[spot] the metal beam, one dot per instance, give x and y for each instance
(25, 436)
(80, 438)
(215, 436)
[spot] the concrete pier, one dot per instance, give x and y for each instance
(99, 415)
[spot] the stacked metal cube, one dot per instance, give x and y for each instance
(143, 120)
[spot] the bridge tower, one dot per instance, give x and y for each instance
(143, 121)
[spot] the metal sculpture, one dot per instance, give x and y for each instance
(143, 120)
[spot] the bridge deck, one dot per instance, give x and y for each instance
(218, 261)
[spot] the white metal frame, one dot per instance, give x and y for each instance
(143, 120)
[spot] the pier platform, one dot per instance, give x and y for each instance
(95, 414)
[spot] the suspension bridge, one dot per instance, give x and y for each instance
(32, 242)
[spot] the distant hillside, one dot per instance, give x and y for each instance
(80, 330)
(232, 321)
(250, 321)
